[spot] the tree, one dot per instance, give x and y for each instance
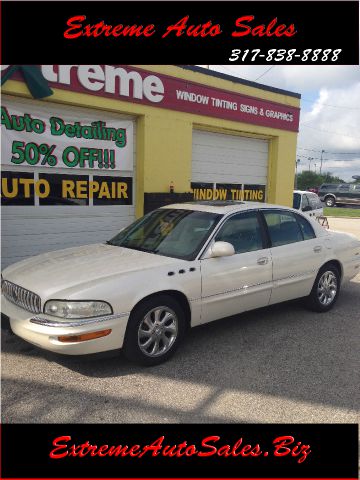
(310, 179)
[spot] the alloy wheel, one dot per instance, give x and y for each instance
(327, 288)
(158, 331)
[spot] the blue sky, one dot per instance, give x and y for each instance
(330, 111)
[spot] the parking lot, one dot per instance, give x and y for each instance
(281, 364)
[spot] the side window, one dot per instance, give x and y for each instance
(283, 227)
(306, 228)
(314, 201)
(357, 188)
(344, 188)
(243, 231)
(305, 202)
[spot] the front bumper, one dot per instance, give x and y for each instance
(43, 330)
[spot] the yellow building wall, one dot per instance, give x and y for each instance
(164, 137)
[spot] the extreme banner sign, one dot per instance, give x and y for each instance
(38, 136)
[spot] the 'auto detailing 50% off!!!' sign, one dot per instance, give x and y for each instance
(35, 140)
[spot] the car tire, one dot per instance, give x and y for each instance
(155, 329)
(325, 291)
(330, 201)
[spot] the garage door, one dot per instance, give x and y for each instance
(230, 163)
(67, 176)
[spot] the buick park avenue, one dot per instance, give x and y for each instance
(177, 267)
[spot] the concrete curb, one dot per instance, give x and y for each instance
(345, 218)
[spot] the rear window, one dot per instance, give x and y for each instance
(328, 186)
(306, 228)
(283, 227)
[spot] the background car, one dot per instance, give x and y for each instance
(177, 267)
(340, 194)
(308, 203)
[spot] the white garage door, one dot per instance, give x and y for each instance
(228, 159)
(87, 197)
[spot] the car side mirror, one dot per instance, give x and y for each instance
(222, 249)
(307, 208)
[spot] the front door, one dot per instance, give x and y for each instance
(242, 281)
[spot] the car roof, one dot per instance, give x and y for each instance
(304, 191)
(223, 207)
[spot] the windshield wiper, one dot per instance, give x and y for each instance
(141, 249)
(109, 242)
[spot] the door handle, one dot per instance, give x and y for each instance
(317, 249)
(262, 260)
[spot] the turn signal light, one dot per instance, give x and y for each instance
(84, 336)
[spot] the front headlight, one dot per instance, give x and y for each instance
(77, 309)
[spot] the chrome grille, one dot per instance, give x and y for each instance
(21, 297)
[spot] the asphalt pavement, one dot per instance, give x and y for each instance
(280, 364)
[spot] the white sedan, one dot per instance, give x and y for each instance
(177, 267)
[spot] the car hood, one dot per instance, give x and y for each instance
(62, 269)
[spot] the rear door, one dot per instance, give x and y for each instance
(343, 194)
(355, 194)
(297, 254)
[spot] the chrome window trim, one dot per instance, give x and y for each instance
(260, 209)
(270, 283)
(244, 288)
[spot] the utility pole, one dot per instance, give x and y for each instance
(321, 160)
(315, 167)
(296, 172)
(310, 160)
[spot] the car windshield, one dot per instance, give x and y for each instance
(171, 232)
(296, 201)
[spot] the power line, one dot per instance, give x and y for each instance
(328, 131)
(237, 74)
(266, 71)
(309, 149)
(306, 156)
(329, 105)
(302, 99)
(229, 70)
(331, 153)
(232, 72)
